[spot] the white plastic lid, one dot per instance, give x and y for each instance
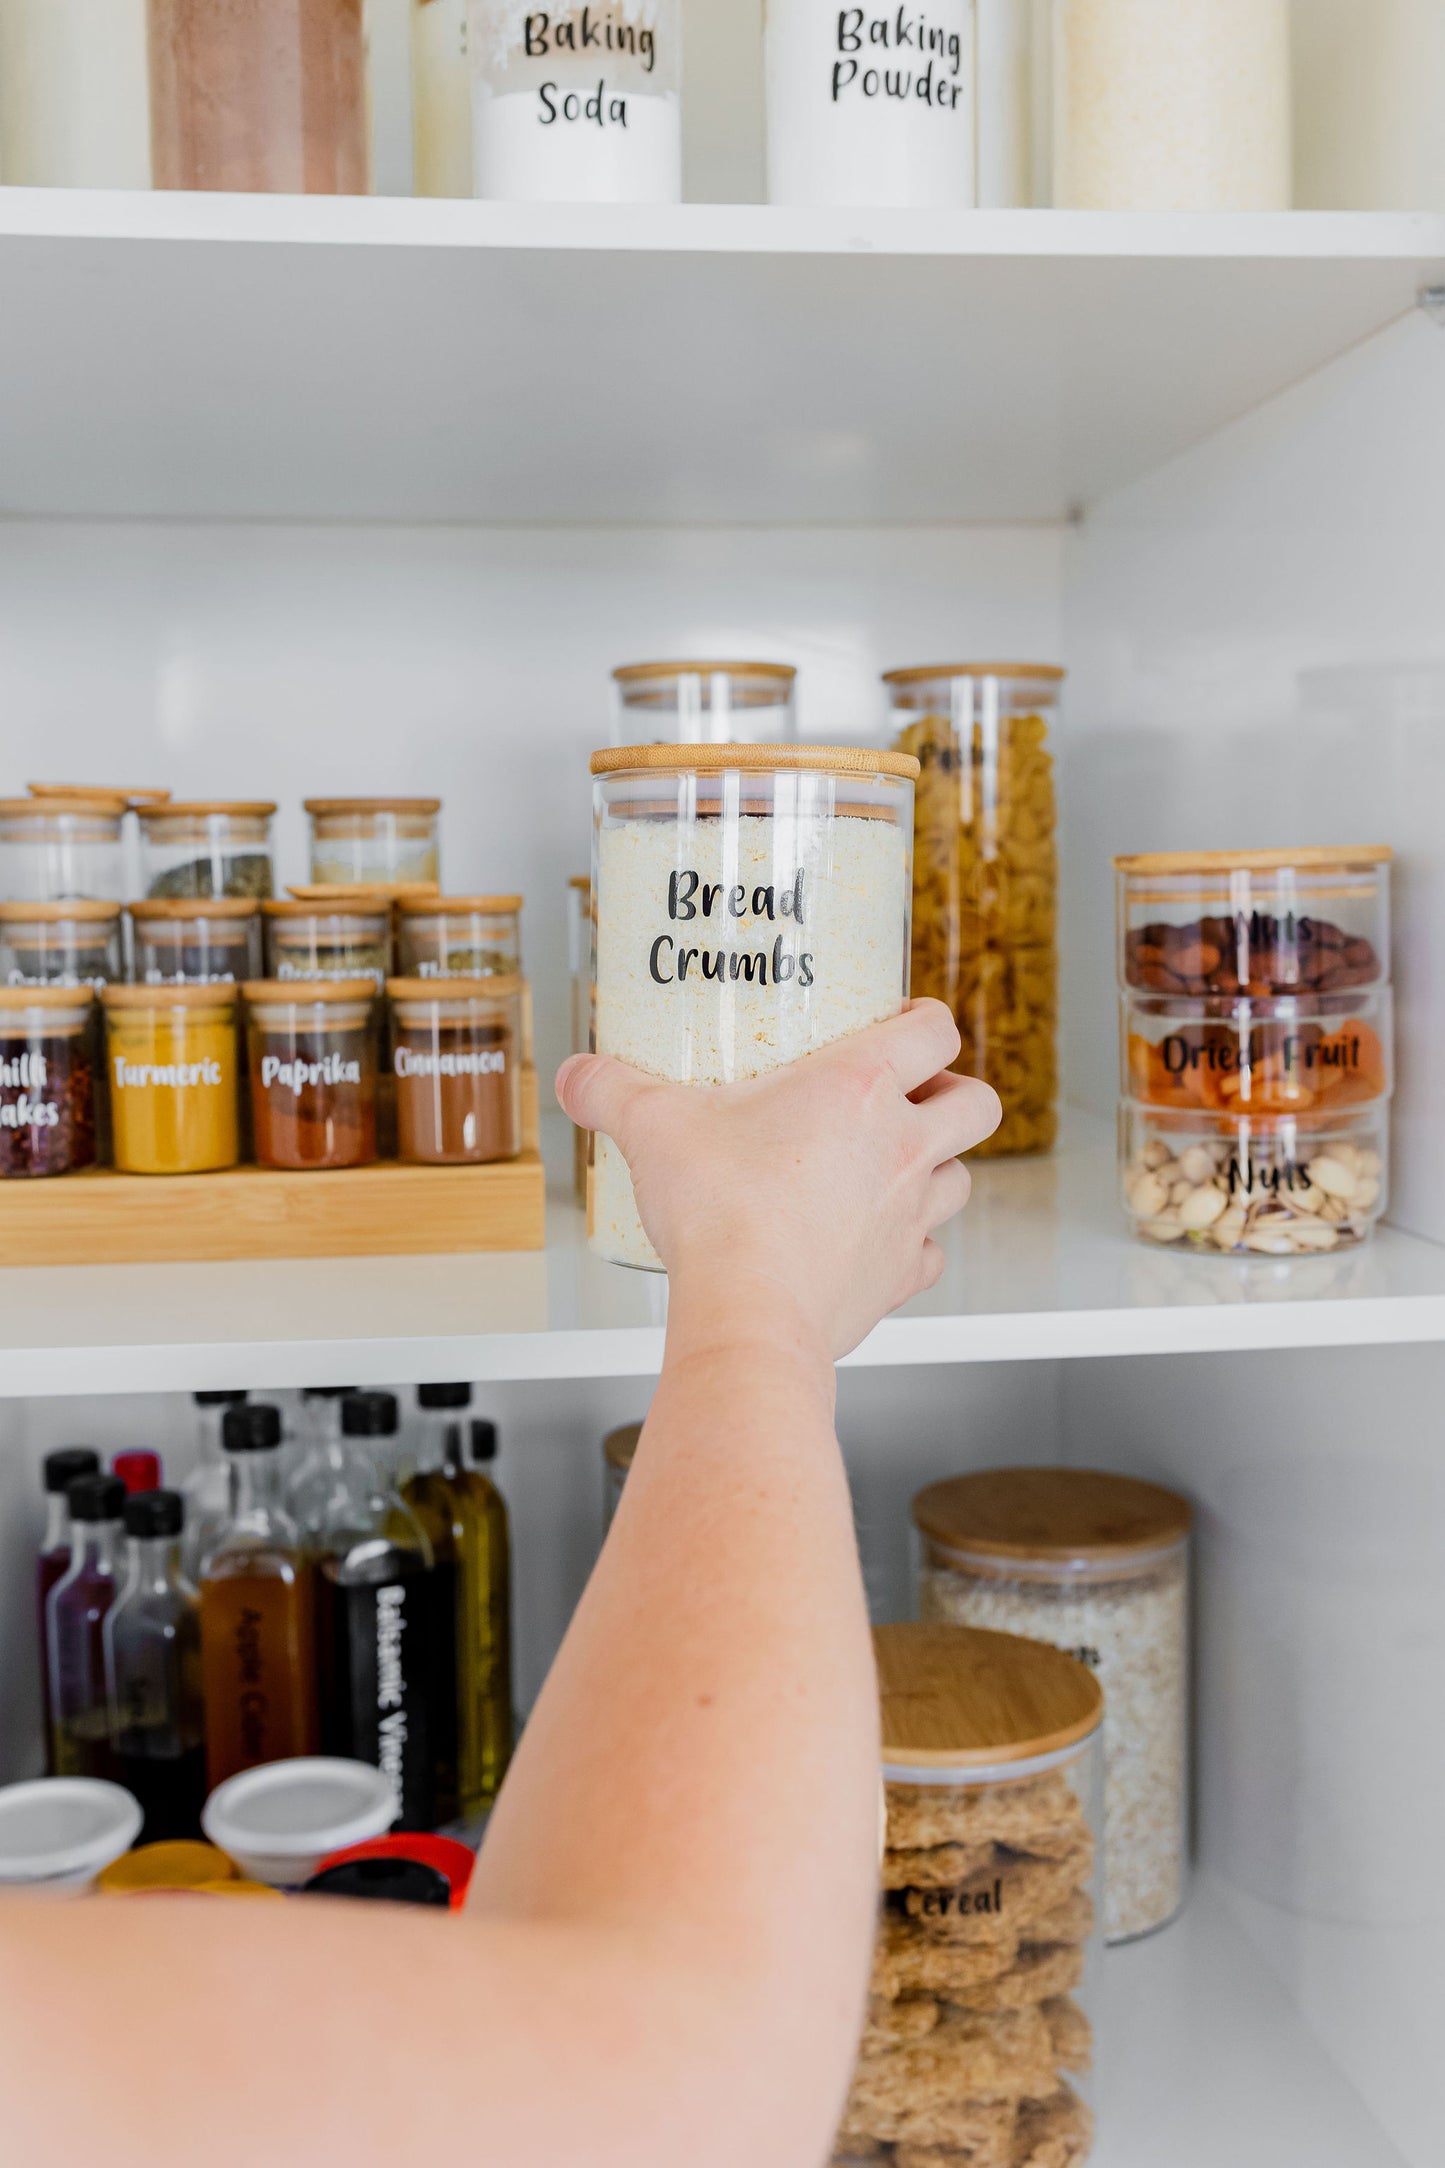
(290, 1809)
(55, 1829)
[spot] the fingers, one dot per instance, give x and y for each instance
(955, 1113)
(915, 1045)
(933, 1266)
(949, 1188)
(597, 1091)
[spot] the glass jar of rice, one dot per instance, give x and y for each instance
(1098, 1565)
(751, 905)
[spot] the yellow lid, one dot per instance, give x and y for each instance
(181, 1864)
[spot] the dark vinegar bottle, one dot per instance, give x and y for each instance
(257, 1641)
(53, 1561)
(153, 1672)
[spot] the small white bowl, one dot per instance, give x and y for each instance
(279, 1821)
(58, 1833)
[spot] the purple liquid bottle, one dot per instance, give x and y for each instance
(53, 1561)
(75, 1617)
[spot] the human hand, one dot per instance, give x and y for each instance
(812, 1191)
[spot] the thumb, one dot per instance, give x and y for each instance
(597, 1091)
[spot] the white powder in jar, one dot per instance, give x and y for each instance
(871, 104)
(1134, 1635)
(74, 94)
(1172, 105)
(577, 104)
(790, 981)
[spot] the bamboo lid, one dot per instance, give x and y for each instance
(361, 893)
(1051, 1515)
(193, 907)
(580, 880)
(753, 759)
(457, 906)
(363, 904)
(619, 1446)
(170, 996)
(371, 805)
(90, 807)
(84, 910)
(957, 1697)
(490, 989)
(175, 809)
(1307, 856)
(639, 673)
(135, 799)
(302, 992)
(44, 997)
(921, 673)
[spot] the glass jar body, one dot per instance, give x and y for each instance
(56, 853)
(74, 102)
(47, 1090)
(1130, 1625)
(985, 881)
(313, 1082)
(317, 943)
(441, 98)
(579, 964)
(457, 941)
(1268, 1186)
(580, 106)
(270, 95)
(867, 107)
(357, 841)
(1225, 928)
(704, 703)
(979, 2038)
(174, 1089)
(51, 948)
(456, 1061)
(197, 947)
(207, 851)
(1315, 1057)
(744, 917)
(1179, 108)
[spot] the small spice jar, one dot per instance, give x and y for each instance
(1177, 108)
(618, 1449)
(455, 1054)
(362, 840)
(60, 944)
(978, 2042)
(313, 1056)
(47, 1080)
(578, 105)
(579, 964)
(704, 703)
(459, 937)
(53, 850)
(1270, 1186)
(870, 105)
(269, 96)
(173, 1073)
(196, 941)
(751, 906)
(1098, 1565)
(210, 847)
(329, 940)
(1302, 921)
(985, 877)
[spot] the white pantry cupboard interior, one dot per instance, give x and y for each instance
(308, 497)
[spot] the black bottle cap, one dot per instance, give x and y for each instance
(369, 1415)
(484, 1439)
(154, 1513)
(251, 1429)
(96, 1498)
(218, 1400)
(62, 1468)
(399, 1881)
(444, 1396)
(326, 1392)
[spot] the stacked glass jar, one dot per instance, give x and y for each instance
(1256, 1047)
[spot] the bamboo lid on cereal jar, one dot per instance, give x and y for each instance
(960, 1697)
(1046, 1523)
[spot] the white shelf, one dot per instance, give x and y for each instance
(1038, 1270)
(233, 356)
(1205, 2062)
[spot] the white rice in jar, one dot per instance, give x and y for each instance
(752, 906)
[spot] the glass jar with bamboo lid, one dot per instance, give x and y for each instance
(459, 937)
(1098, 1565)
(196, 940)
(374, 839)
(579, 965)
(751, 905)
(978, 2043)
(704, 703)
(985, 876)
(59, 848)
(173, 1067)
(207, 847)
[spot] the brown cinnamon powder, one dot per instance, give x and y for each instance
(265, 95)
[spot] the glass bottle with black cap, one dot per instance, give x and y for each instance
(207, 1489)
(258, 1664)
(75, 1618)
(335, 1473)
(376, 1601)
(152, 1641)
(53, 1561)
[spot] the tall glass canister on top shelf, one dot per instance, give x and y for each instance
(985, 876)
(579, 104)
(751, 906)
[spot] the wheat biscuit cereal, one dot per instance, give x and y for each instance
(1071, 2033)
(1041, 1970)
(997, 2054)
(986, 2140)
(894, 2022)
(1072, 1921)
(1053, 2133)
(920, 1815)
(908, 1959)
(936, 1866)
(1014, 1893)
(982, 2130)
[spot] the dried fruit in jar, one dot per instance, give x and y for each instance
(1249, 1065)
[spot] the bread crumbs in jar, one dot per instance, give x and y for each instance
(455, 1056)
(313, 1072)
(173, 1074)
(47, 1081)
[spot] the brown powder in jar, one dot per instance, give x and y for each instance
(456, 1095)
(265, 95)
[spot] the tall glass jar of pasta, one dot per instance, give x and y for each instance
(985, 876)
